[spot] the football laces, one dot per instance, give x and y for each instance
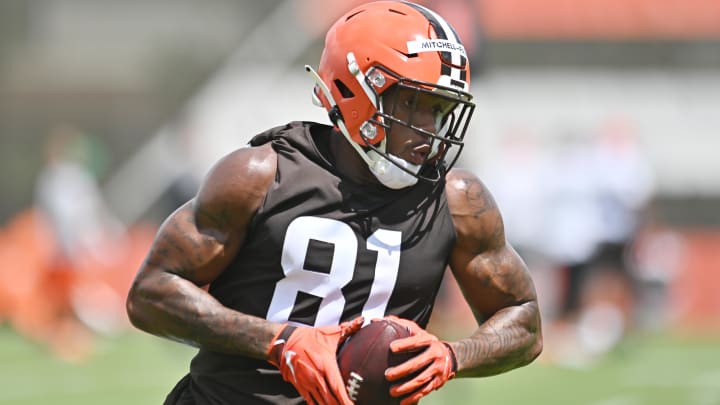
(353, 385)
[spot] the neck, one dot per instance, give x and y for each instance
(348, 162)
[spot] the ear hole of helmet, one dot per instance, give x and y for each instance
(344, 90)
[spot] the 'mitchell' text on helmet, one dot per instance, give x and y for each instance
(394, 45)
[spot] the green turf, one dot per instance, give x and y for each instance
(132, 369)
(139, 369)
(642, 371)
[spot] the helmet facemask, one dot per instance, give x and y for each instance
(454, 110)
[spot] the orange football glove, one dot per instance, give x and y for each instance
(306, 358)
(435, 365)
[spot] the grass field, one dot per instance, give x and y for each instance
(139, 369)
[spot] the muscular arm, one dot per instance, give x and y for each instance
(192, 248)
(495, 282)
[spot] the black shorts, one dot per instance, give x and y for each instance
(186, 392)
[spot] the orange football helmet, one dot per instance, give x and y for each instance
(391, 44)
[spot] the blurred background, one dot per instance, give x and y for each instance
(596, 128)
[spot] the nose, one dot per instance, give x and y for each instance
(425, 120)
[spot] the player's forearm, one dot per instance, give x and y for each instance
(168, 306)
(509, 339)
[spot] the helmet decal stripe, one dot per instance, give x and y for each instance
(445, 31)
(445, 70)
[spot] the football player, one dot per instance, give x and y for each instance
(294, 242)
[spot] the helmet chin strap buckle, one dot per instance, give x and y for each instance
(377, 78)
(368, 130)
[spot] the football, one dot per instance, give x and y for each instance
(363, 358)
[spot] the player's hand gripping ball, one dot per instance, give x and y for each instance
(429, 369)
(365, 356)
(306, 358)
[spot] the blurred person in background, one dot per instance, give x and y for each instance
(68, 195)
(295, 242)
(573, 207)
(598, 187)
(64, 259)
(67, 223)
(606, 290)
(89, 239)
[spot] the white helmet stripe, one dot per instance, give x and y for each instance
(445, 31)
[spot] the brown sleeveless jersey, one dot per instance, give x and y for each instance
(322, 250)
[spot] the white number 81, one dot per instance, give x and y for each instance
(329, 286)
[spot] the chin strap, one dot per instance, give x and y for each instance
(390, 174)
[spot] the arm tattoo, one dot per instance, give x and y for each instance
(496, 284)
(505, 341)
(477, 196)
